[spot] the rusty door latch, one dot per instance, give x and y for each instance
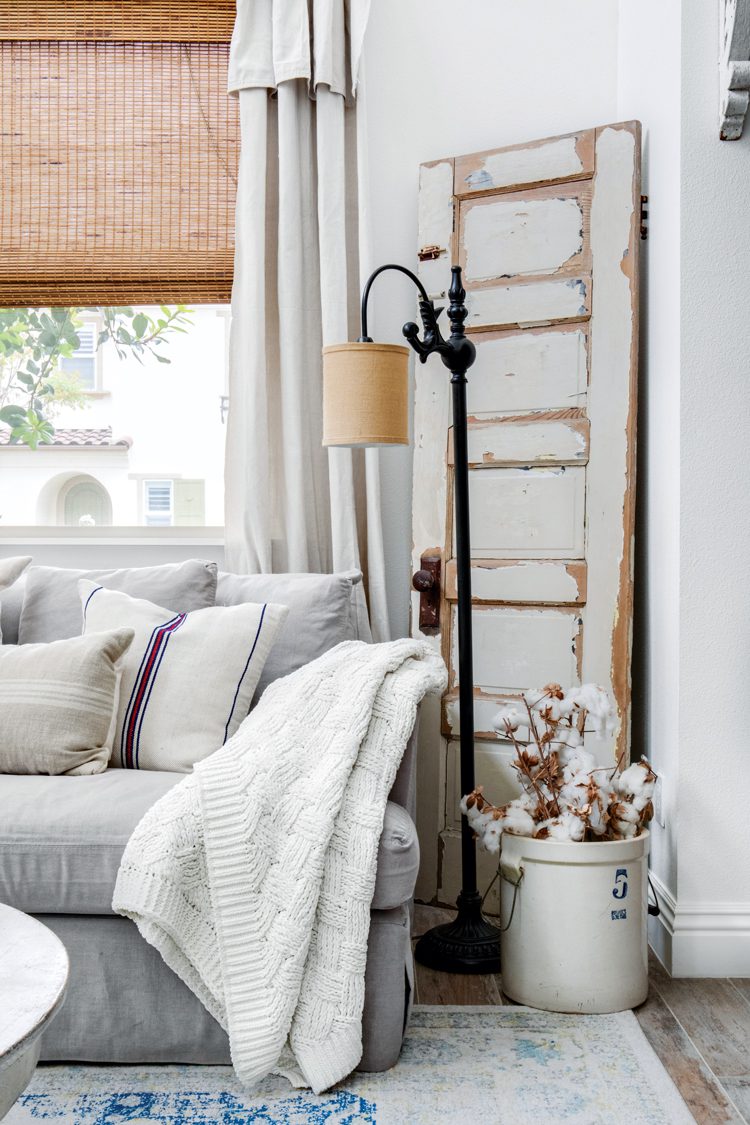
(427, 584)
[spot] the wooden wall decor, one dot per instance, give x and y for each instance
(548, 236)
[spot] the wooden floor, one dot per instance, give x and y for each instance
(700, 1029)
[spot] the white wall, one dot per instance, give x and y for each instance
(449, 79)
(649, 70)
(692, 655)
(714, 839)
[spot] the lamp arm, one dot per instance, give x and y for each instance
(364, 338)
(457, 352)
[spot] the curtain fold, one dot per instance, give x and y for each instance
(290, 503)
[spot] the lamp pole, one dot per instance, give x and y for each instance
(469, 944)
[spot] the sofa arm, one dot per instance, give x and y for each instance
(404, 790)
(398, 860)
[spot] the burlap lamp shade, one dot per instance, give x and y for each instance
(365, 394)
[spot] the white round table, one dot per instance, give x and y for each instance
(33, 979)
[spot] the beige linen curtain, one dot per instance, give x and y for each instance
(300, 250)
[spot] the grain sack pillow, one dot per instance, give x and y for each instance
(58, 703)
(188, 678)
(10, 571)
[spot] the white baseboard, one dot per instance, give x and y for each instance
(694, 939)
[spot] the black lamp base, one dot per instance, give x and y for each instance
(468, 944)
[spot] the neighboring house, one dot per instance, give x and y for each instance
(147, 448)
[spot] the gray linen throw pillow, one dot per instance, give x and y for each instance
(321, 614)
(52, 606)
(58, 703)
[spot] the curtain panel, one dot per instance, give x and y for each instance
(300, 249)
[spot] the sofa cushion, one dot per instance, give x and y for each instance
(321, 614)
(62, 838)
(51, 607)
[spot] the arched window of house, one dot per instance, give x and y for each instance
(84, 502)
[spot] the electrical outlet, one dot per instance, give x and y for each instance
(659, 800)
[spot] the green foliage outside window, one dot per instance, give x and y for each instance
(33, 341)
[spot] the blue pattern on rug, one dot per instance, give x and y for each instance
(200, 1107)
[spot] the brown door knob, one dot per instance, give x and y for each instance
(424, 580)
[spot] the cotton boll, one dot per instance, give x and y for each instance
(490, 840)
(595, 700)
(567, 737)
(545, 700)
(509, 716)
(637, 780)
(598, 818)
(518, 821)
(528, 801)
(479, 821)
(566, 827)
(624, 829)
(582, 761)
(624, 811)
(576, 791)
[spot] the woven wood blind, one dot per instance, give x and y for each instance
(119, 153)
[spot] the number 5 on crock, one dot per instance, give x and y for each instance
(620, 889)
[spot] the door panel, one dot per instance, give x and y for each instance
(557, 437)
(535, 369)
(517, 647)
(547, 233)
(542, 231)
(543, 302)
(527, 513)
(499, 580)
(549, 161)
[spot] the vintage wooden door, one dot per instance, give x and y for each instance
(547, 234)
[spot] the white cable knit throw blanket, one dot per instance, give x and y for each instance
(254, 876)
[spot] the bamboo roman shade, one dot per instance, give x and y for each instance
(119, 149)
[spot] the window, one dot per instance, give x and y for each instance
(120, 155)
(154, 442)
(158, 504)
(84, 363)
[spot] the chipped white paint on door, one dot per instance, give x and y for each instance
(547, 235)
(560, 437)
(525, 233)
(511, 644)
(527, 513)
(525, 305)
(540, 369)
(552, 161)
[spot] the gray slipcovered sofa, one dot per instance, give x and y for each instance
(61, 839)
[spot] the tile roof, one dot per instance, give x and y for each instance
(78, 437)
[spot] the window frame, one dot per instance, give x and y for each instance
(158, 482)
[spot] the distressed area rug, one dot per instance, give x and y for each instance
(498, 1066)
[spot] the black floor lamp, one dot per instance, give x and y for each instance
(366, 402)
